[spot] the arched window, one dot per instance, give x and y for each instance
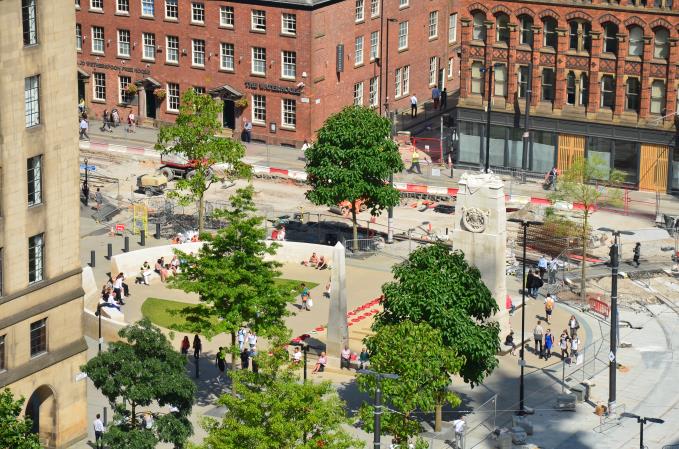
(502, 28)
(632, 93)
(584, 89)
(479, 31)
(658, 97)
(570, 88)
(636, 41)
(549, 32)
(610, 38)
(526, 36)
(477, 78)
(607, 91)
(579, 33)
(661, 43)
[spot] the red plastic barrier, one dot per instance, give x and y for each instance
(600, 307)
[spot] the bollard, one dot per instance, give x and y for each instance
(126, 248)
(157, 231)
(142, 240)
(105, 415)
(109, 250)
(92, 258)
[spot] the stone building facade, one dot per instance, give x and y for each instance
(274, 63)
(41, 300)
(602, 76)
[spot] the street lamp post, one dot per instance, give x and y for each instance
(489, 82)
(378, 402)
(392, 117)
(98, 313)
(642, 421)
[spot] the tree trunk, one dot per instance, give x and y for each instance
(201, 214)
(133, 417)
(233, 361)
(583, 280)
(438, 417)
(354, 245)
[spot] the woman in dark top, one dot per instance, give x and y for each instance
(245, 359)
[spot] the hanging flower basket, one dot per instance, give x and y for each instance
(160, 93)
(132, 89)
(242, 103)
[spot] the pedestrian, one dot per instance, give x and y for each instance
(244, 358)
(413, 106)
(563, 344)
(197, 346)
(186, 344)
(528, 283)
(98, 198)
(221, 359)
(98, 432)
(415, 162)
(242, 332)
(459, 425)
(637, 253)
(552, 270)
(363, 358)
(575, 345)
(305, 146)
(436, 96)
(549, 342)
(84, 126)
(509, 341)
(86, 193)
(252, 339)
(81, 106)
(253, 356)
(115, 117)
(538, 334)
(131, 122)
(549, 307)
(554, 174)
(305, 296)
(345, 358)
(247, 130)
(297, 356)
(537, 283)
(573, 325)
(444, 98)
(542, 266)
(106, 121)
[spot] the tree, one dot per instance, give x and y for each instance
(416, 353)
(352, 161)
(579, 184)
(141, 370)
(193, 137)
(274, 410)
(15, 432)
(437, 286)
(234, 277)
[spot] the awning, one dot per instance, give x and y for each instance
(226, 91)
(82, 73)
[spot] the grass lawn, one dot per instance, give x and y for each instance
(166, 313)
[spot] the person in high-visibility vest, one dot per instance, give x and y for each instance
(415, 164)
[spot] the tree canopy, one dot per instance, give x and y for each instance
(352, 161)
(194, 137)
(15, 431)
(437, 286)
(140, 370)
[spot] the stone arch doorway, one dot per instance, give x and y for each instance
(42, 409)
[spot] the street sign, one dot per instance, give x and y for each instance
(522, 362)
(611, 356)
(88, 167)
(120, 227)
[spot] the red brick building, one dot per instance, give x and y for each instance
(284, 65)
(603, 78)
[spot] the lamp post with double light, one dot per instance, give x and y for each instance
(378, 402)
(642, 421)
(488, 71)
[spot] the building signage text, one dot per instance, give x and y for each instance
(117, 68)
(272, 88)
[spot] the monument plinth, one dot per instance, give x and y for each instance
(338, 329)
(480, 232)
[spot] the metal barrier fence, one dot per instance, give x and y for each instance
(480, 423)
(363, 246)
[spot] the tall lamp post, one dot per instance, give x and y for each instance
(86, 187)
(525, 222)
(98, 314)
(392, 117)
(378, 401)
(489, 82)
(642, 421)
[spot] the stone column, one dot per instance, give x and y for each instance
(594, 67)
(670, 89)
(338, 329)
(620, 85)
(465, 65)
(645, 100)
(514, 30)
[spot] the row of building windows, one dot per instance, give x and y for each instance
(227, 17)
(373, 91)
(579, 35)
(359, 11)
(38, 339)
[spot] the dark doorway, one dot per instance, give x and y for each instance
(150, 104)
(41, 408)
(81, 88)
(440, 78)
(229, 114)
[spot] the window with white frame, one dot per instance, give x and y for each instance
(34, 171)
(226, 16)
(172, 9)
(502, 28)
(172, 49)
(36, 253)
(452, 28)
(124, 81)
(259, 60)
(374, 8)
(636, 41)
(358, 94)
(96, 4)
(405, 80)
(200, 90)
(289, 66)
(523, 76)
(608, 91)
(374, 92)
(289, 24)
(259, 109)
(526, 30)
(124, 43)
(658, 97)
(29, 19)
(632, 94)
(198, 52)
(258, 20)
(197, 13)
(38, 333)
(397, 82)
(450, 68)
(477, 78)
(226, 56)
(433, 69)
(123, 6)
(32, 100)
(78, 37)
(374, 45)
(550, 37)
(433, 24)
(99, 86)
(172, 96)
(149, 46)
(360, 12)
(661, 43)
(358, 51)
(500, 84)
(403, 3)
(289, 113)
(147, 8)
(97, 40)
(403, 35)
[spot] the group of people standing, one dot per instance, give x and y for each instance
(114, 292)
(439, 98)
(569, 342)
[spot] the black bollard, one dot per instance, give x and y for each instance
(142, 235)
(92, 258)
(157, 231)
(126, 248)
(109, 249)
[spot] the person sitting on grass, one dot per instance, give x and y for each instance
(165, 273)
(313, 260)
(320, 364)
(322, 264)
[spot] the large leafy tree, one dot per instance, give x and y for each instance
(437, 286)
(194, 137)
(579, 184)
(417, 354)
(137, 372)
(352, 160)
(234, 277)
(15, 431)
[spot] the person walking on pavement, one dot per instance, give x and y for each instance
(549, 307)
(444, 98)
(542, 266)
(552, 270)
(98, 432)
(549, 343)
(84, 126)
(247, 130)
(575, 344)
(413, 106)
(245, 358)
(185, 346)
(98, 198)
(637, 253)
(106, 118)
(415, 164)
(459, 425)
(197, 346)
(131, 122)
(436, 96)
(221, 360)
(538, 334)
(563, 344)
(573, 326)
(536, 284)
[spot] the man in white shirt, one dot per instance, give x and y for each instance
(459, 425)
(84, 126)
(575, 345)
(252, 340)
(241, 337)
(413, 106)
(98, 432)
